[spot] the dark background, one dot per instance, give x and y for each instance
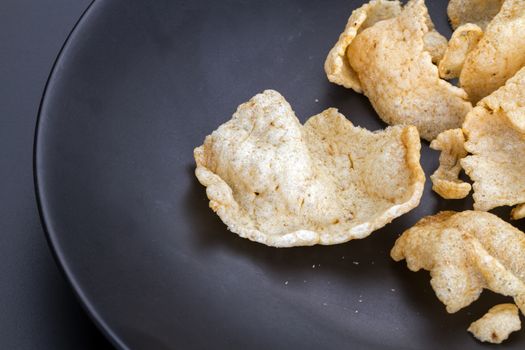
(37, 308)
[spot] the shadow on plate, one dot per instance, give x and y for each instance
(366, 261)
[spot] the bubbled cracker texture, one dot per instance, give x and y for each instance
(496, 143)
(510, 99)
(465, 253)
(393, 60)
(497, 324)
(282, 184)
(479, 12)
(337, 67)
(499, 54)
(464, 39)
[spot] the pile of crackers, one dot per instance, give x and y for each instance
(278, 182)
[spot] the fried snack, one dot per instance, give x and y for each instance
(392, 62)
(445, 180)
(497, 324)
(336, 66)
(466, 252)
(463, 41)
(282, 184)
(495, 133)
(496, 141)
(435, 44)
(518, 212)
(479, 12)
(510, 99)
(499, 54)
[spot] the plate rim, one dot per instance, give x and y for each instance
(51, 238)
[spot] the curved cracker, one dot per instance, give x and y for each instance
(510, 99)
(518, 212)
(435, 44)
(465, 253)
(393, 61)
(497, 145)
(336, 66)
(463, 41)
(445, 180)
(282, 184)
(499, 54)
(497, 324)
(479, 12)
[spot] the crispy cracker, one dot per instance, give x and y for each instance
(282, 184)
(518, 212)
(499, 54)
(337, 67)
(463, 41)
(465, 253)
(445, 180)
(435, 44)
(497, 324)
(393, 62)
(496, 141)
(479, 12)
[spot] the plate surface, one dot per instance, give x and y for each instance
(138, 85)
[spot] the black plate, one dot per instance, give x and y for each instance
(137, 86)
